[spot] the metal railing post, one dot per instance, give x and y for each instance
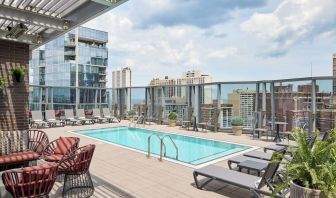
(313, 108)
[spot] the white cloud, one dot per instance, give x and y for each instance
(292, 22)
(222, 50)
(224, 53)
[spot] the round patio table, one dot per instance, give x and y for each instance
(277, 137)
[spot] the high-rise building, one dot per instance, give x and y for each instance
(243, 102)
(194, 78)
(78, 58)
(169, 91)
(121, 78)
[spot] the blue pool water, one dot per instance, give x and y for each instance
(194, 151)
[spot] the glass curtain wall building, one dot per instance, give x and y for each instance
(75, 65)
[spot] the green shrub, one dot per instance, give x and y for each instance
(18, 73)
(172, 116)
(237, 121)
(312, 166)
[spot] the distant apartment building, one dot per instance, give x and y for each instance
(224, 117)
(122, 78)
(169, 83)
(78, 58)
(195, 78)
(294, 106)
(243, 105)
(176, 91)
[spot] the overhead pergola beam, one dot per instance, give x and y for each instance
(106, 2)
(31, 18)
(25, 38)
(53, 26)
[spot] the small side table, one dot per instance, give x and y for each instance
(252, 165)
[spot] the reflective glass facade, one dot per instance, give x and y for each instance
(78, 58)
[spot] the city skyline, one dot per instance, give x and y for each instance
(274, 39)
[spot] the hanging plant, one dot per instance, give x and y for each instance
(18, 74)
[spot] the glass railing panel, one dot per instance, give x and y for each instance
(238, 100)
(138, 101)
(293, 104)
(209, 105)
(175, 99)
(325, 105)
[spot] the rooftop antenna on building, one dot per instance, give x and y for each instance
(311, 69)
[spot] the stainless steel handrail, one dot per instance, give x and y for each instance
(172, 143)
(161, 145)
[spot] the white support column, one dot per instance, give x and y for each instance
(219, 105)
(197, 102)
(264, 99)
(96, 98)
(257, 97)
(77, 72)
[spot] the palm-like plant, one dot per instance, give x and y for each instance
(313, 166)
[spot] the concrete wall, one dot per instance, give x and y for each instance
(14, 96)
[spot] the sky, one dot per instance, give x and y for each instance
(229, 40)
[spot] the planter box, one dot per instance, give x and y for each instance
(237, 130)
(297, 191)
(172, 123)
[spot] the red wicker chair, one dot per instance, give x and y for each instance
(77, 179)
(37, 141)
(60, 148)
(31, 182)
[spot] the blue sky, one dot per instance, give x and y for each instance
(230, 40)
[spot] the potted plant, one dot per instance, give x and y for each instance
(237, 125)
(312, 171)
(18, 73)
(172, 119)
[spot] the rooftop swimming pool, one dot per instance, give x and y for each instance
(191, 150)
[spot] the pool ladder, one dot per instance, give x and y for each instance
(163, 150)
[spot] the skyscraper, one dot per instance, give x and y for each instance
(121, 78)
(78, 58)
(168, 91)
(194, 78)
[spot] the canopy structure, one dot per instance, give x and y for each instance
(38, 21)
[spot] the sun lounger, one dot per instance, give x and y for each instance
(108, 116)
(241, 158)
(37, 119)
(259, 155)
(242, 180)
(82, 118)
(69, 116)
(51, 119)
(96, 114)
(275, 148)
